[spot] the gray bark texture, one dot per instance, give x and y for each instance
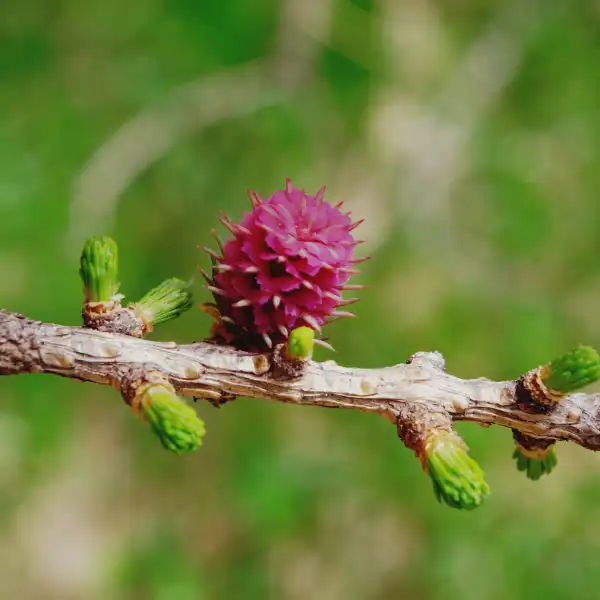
(417, 391)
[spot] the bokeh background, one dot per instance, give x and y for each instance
(466, 132)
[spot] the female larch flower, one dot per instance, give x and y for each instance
(286, 266)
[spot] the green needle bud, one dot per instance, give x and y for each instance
(542, 462)
(99, 269)
(572, 371)
(301, 343)
(457, 479)
(174, 422)
(165, 302)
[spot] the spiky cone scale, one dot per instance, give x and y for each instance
(457, 479)
(176, 424)
(285, 267)
(572, 371)
(99, 269)
(167, 301)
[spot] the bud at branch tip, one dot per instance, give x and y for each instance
(301, 343)
(165, 302)
(457, 479)
(572, 371)
(99, 269)
(174, 422)
(535, 463)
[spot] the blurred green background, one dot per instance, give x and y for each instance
(467, 133)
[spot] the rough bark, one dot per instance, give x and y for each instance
(218, 373)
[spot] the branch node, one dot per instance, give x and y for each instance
(111, 317)
(434, 359)
(457, 479)
(284, 365)
(154, 400)
(533, 396)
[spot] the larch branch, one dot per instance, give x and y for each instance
(218, 373)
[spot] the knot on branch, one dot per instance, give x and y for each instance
(111, 317)
(532, 394)
(531, 445)
(135, 379)
(284, 365)
(434, 359)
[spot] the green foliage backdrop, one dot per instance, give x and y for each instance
(466, 133)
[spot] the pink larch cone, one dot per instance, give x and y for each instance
(286, 266)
